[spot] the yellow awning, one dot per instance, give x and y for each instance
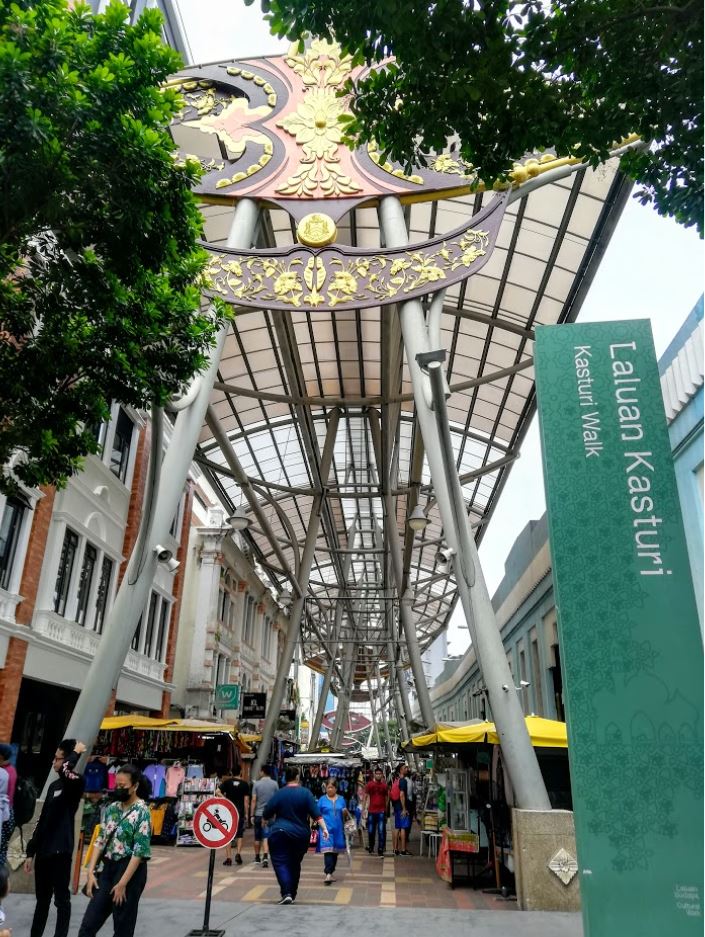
(134, 721)
(199, 726)
(544, 733)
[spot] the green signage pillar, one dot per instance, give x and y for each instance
(631, 649)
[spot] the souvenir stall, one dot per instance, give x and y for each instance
(181, 758)
(466, 817)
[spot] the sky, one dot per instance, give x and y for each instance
(652, 269)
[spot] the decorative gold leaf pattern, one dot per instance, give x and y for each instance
(321, 279)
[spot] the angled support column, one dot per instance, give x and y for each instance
(167, 479)
(344, 694)
(384, 713)
(394, 547)
(297, 607)
(519, 756)
(325, 689)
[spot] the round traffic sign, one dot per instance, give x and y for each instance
(215, 822)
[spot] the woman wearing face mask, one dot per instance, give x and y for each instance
(124, 846)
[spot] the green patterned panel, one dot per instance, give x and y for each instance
(630, 642)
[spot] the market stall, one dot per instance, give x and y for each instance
(466, 813)
(181, 758)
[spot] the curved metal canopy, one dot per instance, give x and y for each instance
(286, 370)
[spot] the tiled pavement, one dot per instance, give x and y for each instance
(363, 881)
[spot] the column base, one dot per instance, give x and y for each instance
(545, 860)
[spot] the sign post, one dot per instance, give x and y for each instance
(215, 824)
(631, 648)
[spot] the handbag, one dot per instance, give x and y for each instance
(313, 841)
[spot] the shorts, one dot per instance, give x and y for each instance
(400, 822)
(261, 831)
(241, 824)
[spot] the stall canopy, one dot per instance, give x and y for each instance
(544, 733)
(198, 727)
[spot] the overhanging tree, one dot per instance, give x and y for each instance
(99, 265)
(513, 78)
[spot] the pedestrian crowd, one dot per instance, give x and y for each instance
(287, 822)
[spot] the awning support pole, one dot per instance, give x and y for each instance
(518, 754)
(294, 628)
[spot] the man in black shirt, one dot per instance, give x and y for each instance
(50, 849)
(237, 791)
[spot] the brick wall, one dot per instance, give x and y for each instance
(10, 680)
(35, 556)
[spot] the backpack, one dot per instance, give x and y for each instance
(395, 792)
(25, 801)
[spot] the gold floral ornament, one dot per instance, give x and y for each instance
(328, 281)
(229, 118)
(315, 123)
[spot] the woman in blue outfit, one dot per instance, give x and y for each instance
(288, 814)
(335, 813)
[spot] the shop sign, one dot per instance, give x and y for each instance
(630, 641)
(254, 705)
(227, 696)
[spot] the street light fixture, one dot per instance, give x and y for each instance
(239, 520)
(418, 520)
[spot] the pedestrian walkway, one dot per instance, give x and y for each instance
(175, 918)
(370, 894)
(364, 881)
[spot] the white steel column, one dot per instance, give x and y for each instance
(167, 479)
(519, 756)
(297, 606)
(325, 689)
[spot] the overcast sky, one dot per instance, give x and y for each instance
(653, 269)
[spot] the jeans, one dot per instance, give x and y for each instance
(287, 853)
(52, 876)
(101, 905)
(378, 822)
(330, 861)
(6, 832)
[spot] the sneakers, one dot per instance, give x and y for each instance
(258, 860)
(265, 862)
(406, 853)
(228, 862)
(369, 849)
(380, 855)
(328, 880)
(238, 859)
(287, 899)
(396, 852)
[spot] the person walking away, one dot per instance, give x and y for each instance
(290, 810)
(333, 810)
(264, 788)
(410, 805)
(50, 849)
(237, 791)
(124, 846)
(8, 824)
(398, 798)
(375, 804)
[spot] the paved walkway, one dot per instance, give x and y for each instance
(382, 896)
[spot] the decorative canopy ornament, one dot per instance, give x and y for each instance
(276, 135)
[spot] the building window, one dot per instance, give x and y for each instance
(101, 599)
(63, 578)
(135, 645)
(266, 638)
(90, 556)
(151, 622)
(536, 675)
(120, 455)
(164, 614)
(9, 535)
(248, 627)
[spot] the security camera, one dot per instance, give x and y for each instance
(172, 565)
(162, 554)
(524, 683)
(443, 557)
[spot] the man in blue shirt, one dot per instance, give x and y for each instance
(289, 813)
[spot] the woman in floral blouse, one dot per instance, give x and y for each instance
(124, 845)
